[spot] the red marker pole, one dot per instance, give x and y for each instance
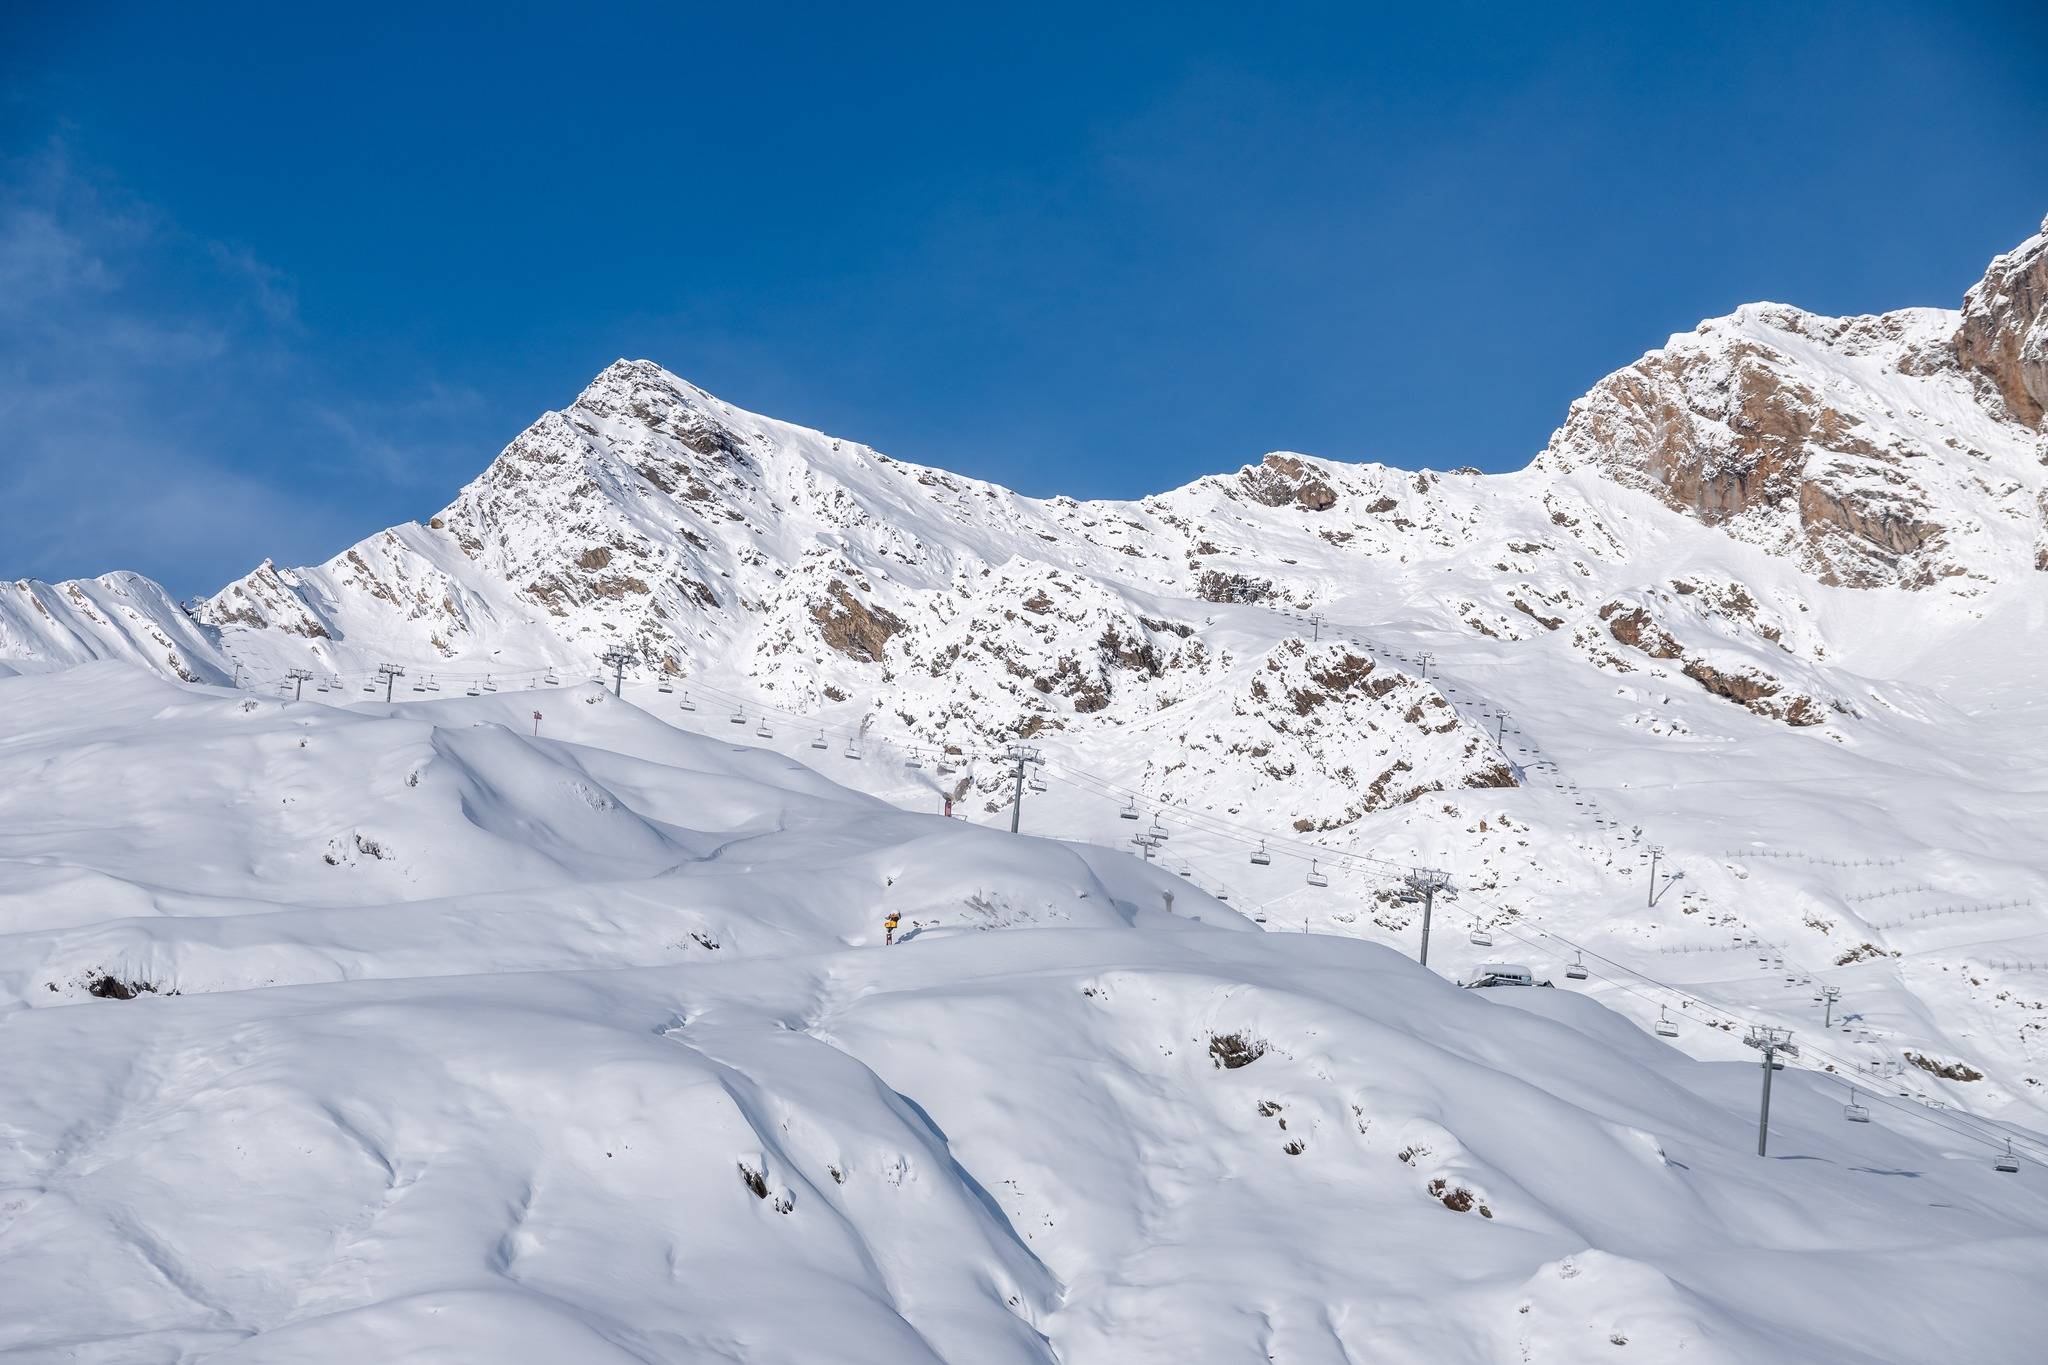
(536, 724)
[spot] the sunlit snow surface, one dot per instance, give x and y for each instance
(585, 1047)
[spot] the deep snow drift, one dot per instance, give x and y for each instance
(450, 1042)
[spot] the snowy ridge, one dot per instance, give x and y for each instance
(115, 616)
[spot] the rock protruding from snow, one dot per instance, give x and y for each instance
(2004, 330)
(1853, 446)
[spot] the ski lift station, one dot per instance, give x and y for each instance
(1492, 974)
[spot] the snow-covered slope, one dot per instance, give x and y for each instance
(123, 616)
(402, 1032)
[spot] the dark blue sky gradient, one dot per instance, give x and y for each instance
(315, 268)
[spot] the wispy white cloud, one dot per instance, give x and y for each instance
(161, 408)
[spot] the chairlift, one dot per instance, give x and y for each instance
(764, 732)
(1315, 876)
(369, 687)
(739, 718)
(2009, 1163)
(1035, 783)
(1854, 1112)
(1158, 831)
(1262, 858)
(1665, 1026)
(489, 686)
(913, 761)
(852, 749)
(1481, 939)
(432, 686)
(686, 704)
(472, 689)
(942, 767)
(419, 685)
(1129, 812)
(819, 742)
(1258, 917)
(663, 686)
(551, 680)
(1577, 971)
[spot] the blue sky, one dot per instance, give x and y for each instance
(274, 277)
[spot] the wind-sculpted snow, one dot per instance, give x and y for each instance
(605, 1059)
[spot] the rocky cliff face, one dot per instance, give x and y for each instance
(2003, 334)
(1886, 451)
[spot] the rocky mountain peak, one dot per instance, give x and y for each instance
(1858, 446)
(2003, 334)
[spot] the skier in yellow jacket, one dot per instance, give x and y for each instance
(889, 928)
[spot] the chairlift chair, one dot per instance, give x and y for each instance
(942, 767)
(551, 680)
(686, 704)
(663, 686)
(489, 686)
(1665, 1026)
(1036, 784)
(1158, 831)
(419, 685)
(739, 718)
(1481, 939)
(2009, 1163)
(819, 742)
(1315, 875)
(1262, 858)
(472, 690)
(913, 761)
(1129, 812)
(432, 686)
(764, 732)
(852, 749)
(369, 687)
(1577, 971)
(1854, 1112)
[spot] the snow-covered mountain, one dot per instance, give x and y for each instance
(1727, 697)
(1779, 536)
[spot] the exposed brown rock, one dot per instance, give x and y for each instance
(851, 626)
(1281, 479)
(2004, 331)
(1216, 586)
(1635, 628)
